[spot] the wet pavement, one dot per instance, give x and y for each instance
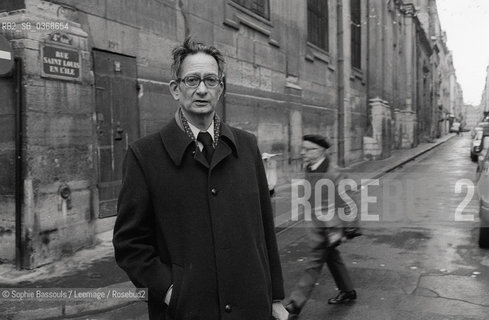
(416, 263)
(87, 268)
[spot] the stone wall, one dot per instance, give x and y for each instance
(278, 86)
(58, 142)
(378, 145)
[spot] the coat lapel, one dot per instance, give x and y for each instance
(221, 152)
(225, 146)
(200, 157)
(176, 142)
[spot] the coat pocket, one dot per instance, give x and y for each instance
(177, 276)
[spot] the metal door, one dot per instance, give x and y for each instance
(117, 122)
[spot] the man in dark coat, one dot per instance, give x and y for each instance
(324, 234)
(195, 223)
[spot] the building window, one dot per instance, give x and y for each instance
(356, 33)
(10, 5)
(260, 7)
(317, 23)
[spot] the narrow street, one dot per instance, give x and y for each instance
(421, 263)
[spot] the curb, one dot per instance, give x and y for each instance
(410, 158)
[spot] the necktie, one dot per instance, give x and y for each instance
(208, 149)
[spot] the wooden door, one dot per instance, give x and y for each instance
(117, 122)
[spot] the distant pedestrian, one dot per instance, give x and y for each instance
(195, 223)
(324, 237)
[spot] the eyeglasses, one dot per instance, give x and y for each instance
(194, 81)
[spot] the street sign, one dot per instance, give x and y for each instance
(6, 56)
(60, 63)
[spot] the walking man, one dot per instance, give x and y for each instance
(324, 236)
(195, 223)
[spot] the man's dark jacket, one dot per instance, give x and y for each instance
(327, 172)
(207, 231)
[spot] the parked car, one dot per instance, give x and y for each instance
(476, 145)
(455, 127)
(482, 178)
(479, 127)
(483, 153)
(475, 130)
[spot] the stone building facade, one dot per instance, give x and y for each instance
(94, 78)
(396, 54)
(484, 104)
(472, 116)
(447, 92)
(412, 88)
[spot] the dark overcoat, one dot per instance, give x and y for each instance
(208, 230)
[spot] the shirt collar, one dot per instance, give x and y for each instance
(176, 141)
(196, 130)
(317, 163)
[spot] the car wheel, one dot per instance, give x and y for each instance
(484, 237)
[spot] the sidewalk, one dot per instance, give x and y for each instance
(88, 268)
(96, 267)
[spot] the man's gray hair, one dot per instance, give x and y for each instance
(190, 47)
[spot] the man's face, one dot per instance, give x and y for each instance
(312, 152)
(201, 100)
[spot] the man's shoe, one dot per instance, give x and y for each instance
(293, 311)
(343, 297)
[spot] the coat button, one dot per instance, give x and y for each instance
(228, 308)
(214, 191)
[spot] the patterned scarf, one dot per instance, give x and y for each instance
(186, 127)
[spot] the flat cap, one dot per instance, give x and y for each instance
(317, 139)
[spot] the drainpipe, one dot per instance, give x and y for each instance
(341, 85)
(19, 182)
(367, 66)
